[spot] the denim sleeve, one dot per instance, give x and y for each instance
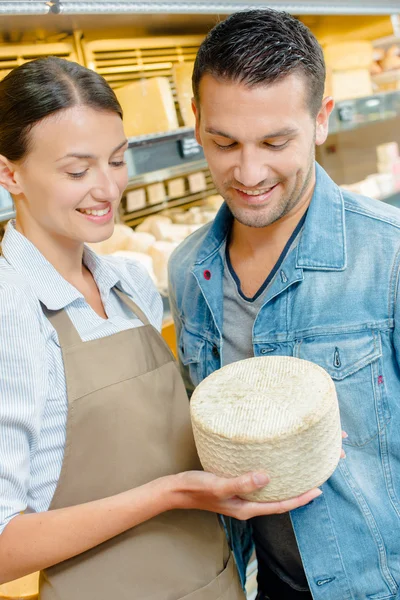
(396, 310)
(175, 311)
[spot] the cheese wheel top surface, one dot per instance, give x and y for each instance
(263, 398)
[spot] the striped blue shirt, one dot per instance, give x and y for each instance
(33, 397)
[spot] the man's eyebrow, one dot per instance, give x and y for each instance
(274, 134)
(92, 156)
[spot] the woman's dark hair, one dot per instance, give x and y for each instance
(259, 47)
(40, 88)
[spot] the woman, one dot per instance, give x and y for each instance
(96, 448)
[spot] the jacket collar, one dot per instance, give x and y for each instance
(322, 245)
(49, 286)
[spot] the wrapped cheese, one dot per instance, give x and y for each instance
(182, 74)
(275, 414)
(148, 106)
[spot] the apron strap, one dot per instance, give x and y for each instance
(67, 333)
(133, 307)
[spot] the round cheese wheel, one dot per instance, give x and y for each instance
(275, 414)
(150, 224)
(143, 259)
(139, 241)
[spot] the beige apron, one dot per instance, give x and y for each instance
(128, 423)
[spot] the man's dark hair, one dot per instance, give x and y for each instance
(260, 47)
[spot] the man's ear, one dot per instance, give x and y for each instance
(322, 126)
(8, 176)
(196, 113)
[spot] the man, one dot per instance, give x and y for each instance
(294, 266)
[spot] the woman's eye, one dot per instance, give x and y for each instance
(77, 175)
(118, 163)
(221, 147)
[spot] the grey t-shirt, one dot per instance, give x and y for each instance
(276, 545)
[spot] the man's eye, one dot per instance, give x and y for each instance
(221, 147)
(276, 146)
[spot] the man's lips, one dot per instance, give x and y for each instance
(255, 196)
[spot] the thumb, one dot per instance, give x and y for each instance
(244, 484)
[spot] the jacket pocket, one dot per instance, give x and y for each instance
(191, 351)
(353, 362)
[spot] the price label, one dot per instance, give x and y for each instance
(346, 112)
(189, 147)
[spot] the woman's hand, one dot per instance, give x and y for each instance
(205, 491)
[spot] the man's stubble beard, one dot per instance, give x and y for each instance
(256, 218)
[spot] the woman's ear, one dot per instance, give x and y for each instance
(7, 176)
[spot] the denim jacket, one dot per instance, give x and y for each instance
(334, 301)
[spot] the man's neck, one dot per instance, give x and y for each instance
(252, 241)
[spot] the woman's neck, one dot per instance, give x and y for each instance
(64, 254)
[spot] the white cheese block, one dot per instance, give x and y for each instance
(160, 253)
(350, 84)
(156, 193)
(148, 106)
(197, 182)
(176, 188)
(135, 199)
(274, 414)
(349, 55)
(173, 232)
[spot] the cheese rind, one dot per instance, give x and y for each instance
(275, 414)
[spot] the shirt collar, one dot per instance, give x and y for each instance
(322, 244)
(49, 286)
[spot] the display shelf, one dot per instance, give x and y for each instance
(351, 114)
(135, 218)
(174, 152)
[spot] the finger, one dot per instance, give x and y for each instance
(287, 505)
(343, 454)
(244, 484)
(344, 435)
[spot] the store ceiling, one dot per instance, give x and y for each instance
(98, 7)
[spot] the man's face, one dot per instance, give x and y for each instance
(260, 145)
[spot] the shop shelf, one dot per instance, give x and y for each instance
(359, 112)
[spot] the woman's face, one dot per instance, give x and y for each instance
(70, 182)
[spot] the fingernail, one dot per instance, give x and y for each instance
(260, 479)
(319, 493)
(345, 435)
